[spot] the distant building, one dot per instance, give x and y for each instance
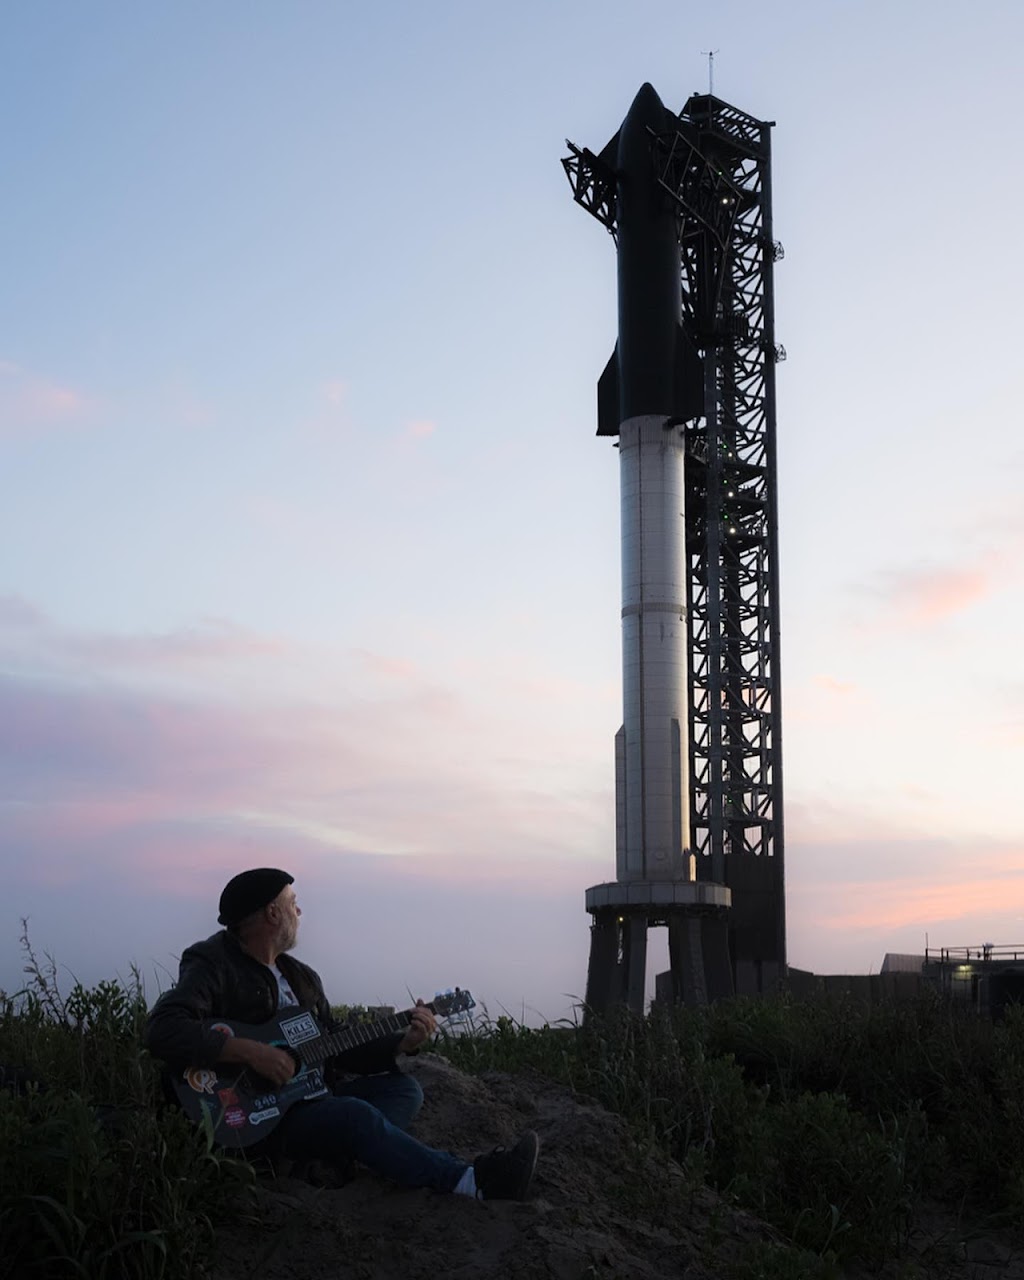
(897, 962)
(988, 977)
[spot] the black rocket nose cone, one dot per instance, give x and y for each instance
(647, 106)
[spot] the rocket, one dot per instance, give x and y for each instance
(651, 385)
(654, 368)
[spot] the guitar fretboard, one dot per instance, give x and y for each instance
(335, 1042)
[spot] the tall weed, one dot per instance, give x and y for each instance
(98, 1179)
(829, 1118)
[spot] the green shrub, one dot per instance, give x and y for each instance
(98, 1179)
(827, 1117)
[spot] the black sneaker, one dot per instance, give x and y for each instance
(506, 1173)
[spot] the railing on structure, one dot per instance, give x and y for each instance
(968, 955)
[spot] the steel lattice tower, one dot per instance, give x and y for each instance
(732, 542)
(712, 164)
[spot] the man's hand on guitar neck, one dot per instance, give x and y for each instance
(422, 1027)
(266, 1060)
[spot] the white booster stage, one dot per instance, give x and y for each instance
(652, 801)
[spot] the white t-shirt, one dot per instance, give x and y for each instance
(285, 995)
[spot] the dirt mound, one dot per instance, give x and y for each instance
(600, 1206)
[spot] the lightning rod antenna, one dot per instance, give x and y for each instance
(710, 55)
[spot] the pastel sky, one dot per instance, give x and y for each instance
(309, 551)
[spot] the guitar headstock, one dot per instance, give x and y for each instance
(447, 1003)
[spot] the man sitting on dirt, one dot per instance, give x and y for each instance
(245, 974)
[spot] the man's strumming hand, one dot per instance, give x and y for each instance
(265, 1060)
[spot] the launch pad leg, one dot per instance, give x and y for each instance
(686, 961)
(698, 950)
(634, 955)
(717, 958)
(603, 974)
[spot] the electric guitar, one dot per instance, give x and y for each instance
(242, 1107)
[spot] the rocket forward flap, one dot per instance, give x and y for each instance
(687, 388)
(608, 399)
(689, 379)
(609, 153)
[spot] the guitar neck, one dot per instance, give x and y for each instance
(333, 1043)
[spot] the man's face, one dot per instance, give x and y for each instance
(287, 918)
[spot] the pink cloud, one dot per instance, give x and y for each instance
(831, 684)
(212, 640)
(899, 904)
(414, 772)
(206, 643)
(30, 402)
(324, 419)
(423, 816)
(45, 402)
(188, 409)
(387, 668)
(859, 884)
(378, 929)
(827, 702)
(925, 594)
(419, 429)
(416, 866)
(20, 614)
(335, 392)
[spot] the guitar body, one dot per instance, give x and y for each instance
(242, 1108)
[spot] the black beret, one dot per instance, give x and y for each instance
(250, 891)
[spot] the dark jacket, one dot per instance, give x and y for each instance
(217, 979)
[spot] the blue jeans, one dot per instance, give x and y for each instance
(366, 1120)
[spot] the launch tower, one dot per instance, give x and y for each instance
(690, 394)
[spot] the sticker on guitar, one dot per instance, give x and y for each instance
(257, 1117)
(200, 1079)
(298, 1030)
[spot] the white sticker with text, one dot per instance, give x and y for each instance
(299, 1030)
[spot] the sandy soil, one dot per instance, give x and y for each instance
(599, 1208)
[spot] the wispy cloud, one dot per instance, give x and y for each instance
(335, 392)
(325, 418)
(183, 406)
(209, 641)
(827, 701)
(924, 594)
(20, 614)
(418, 429)
(425, 795)
(390, 760)
(32, 402)
(859, 885)
(385, 666)
(400, 806)
(913, 902)
(833, 685)
(25, 630)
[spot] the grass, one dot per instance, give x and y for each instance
(832, 1121)
(98, 1179)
